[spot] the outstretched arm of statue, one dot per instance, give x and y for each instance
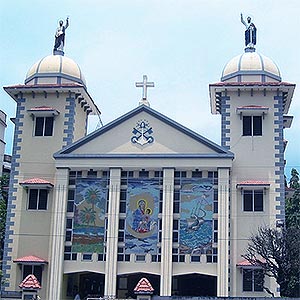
(242, 20)
(67, 23)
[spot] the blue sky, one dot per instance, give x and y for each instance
(182, 45)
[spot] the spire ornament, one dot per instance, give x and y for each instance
(145, 85)
(60, 37)
(250, 34)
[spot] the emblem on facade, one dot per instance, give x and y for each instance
(142, 133)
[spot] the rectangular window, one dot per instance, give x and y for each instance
(253, 280)
(123, 196)
(44, 126)
(38, 199)
(36, 270)
(253, 200)
(140, 257)
(252, 125)
(87, 256)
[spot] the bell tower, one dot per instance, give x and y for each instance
(253, 102)
(52, 112)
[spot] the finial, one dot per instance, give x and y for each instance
(145, 84)
(250, 34)
(60, 37)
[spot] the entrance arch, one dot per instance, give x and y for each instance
(86, 283)
(194, 285)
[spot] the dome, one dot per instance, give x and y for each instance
(54, 69)
(251, 67)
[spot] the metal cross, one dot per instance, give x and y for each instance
(145, 84)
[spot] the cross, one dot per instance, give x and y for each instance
(145, 84)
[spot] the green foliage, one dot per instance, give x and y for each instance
(292, 223)
(292, 210)
(294, 181)
(292, 204)
(92, 195)
(87, 215)
(4, 183)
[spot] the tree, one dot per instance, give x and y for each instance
(4, 182)
(294, 181)
(292, 204)
(277, 252)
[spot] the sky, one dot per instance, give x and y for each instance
(181, 45)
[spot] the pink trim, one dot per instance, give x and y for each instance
(252, 84)
(35, 181)
(30, 259)
(43, 108)
(144, 286)
(30, 282)
(253, 182)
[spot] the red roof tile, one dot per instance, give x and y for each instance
(44, 108)
(246, 263)
(253, 182)
(30, 259)
(36, 181)
(55, 85)
(30, 282)
(252, 84)
(253, 107)
(144, 287)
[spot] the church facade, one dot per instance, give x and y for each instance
(143, 196)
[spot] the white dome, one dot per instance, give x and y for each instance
(54, 69)
(251, 67)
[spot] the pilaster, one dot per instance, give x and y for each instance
(112, 233)
(223, 232)
(167, 229)
(56, 258)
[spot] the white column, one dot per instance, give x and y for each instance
(223, 232)
(112, 233)
(167, 233)
(56, 259)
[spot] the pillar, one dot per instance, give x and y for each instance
(58, 234)
(112, 233)
(223, 232)
(167, 233)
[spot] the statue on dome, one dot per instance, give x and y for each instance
(250, 32)
(60, 37)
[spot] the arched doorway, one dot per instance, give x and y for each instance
(127, 282)
(86, 283)
(194, 285)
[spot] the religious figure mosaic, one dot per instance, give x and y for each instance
(141, 231)
(196, 213)
(142, 133)
(89, 216)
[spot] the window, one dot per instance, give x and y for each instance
(87, 256)
(36, 270)
(139, 257)
(253, 280)
(252, 125)
(253, 200)
(176, 202)
(44, 126)
(121, 233)
(38, 199)
(123, 196)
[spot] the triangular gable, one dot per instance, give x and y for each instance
(143, 287)
(116, 139)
